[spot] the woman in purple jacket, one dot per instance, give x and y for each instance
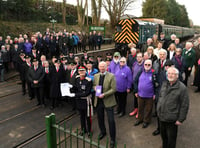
(144, 88)
(124, 80)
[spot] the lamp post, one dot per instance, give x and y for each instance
(53, 21)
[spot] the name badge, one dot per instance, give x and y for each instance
(83, 87)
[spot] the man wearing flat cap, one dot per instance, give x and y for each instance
(99, 59)
(21, 63)
(56, 77)
(64, 65)
(108, 55)
(27, 66)
(72, 73)
(36, 77)
(85, 56)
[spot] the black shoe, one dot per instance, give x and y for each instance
(101, 136)
(89, 134)
(24, 93)
(156, 132)
(112, 144)
(145, 125)
(137, 123)
(31, 98)
(81, 133)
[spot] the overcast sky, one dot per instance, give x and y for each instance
(191, 6)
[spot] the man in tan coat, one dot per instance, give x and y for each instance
(105, 86)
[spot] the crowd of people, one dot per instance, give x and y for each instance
(49, 44)
(156, 74)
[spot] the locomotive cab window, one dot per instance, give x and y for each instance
(119, 28)
(135, 27)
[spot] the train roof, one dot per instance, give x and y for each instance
(144, 22)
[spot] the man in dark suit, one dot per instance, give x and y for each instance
(72, 77)
(46, 80)
(34, 54)
(189, 55)
(26, 67)
(15, 56)
(164, 40)
(36, 77)
(106, 100)
(56, 77)
(21, 63)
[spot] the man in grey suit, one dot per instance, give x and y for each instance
(105, 100)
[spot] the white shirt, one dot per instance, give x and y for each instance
(188, 50)
(171, 54)
(156, 52)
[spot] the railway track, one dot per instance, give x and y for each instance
(43, 132)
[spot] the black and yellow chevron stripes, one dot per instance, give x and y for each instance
(127, 35)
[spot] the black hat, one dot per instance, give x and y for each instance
(90, 57)
(84, 51)
(35, 60)
(72, 62)
(62, 54)
(108, 54)
(71, 51)
(57, 61)
(27, 57)
(89, 62)
(63, 58)
(22, 54)
(169, 63)
(108, 59)
(99, 56)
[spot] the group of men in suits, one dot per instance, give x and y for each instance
(43, 79)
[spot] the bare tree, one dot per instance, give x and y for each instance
(96, 11)
(81, 11)
(115, 8)
(64, 12)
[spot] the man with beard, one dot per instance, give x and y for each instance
(137, 66)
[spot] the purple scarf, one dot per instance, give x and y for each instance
(178, 59)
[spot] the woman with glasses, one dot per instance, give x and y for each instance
(144, 88)
(123, 77)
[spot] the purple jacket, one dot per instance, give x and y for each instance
(136, 68)
(123, 78)
(27, 48)
(113, 67)
(146, 85)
